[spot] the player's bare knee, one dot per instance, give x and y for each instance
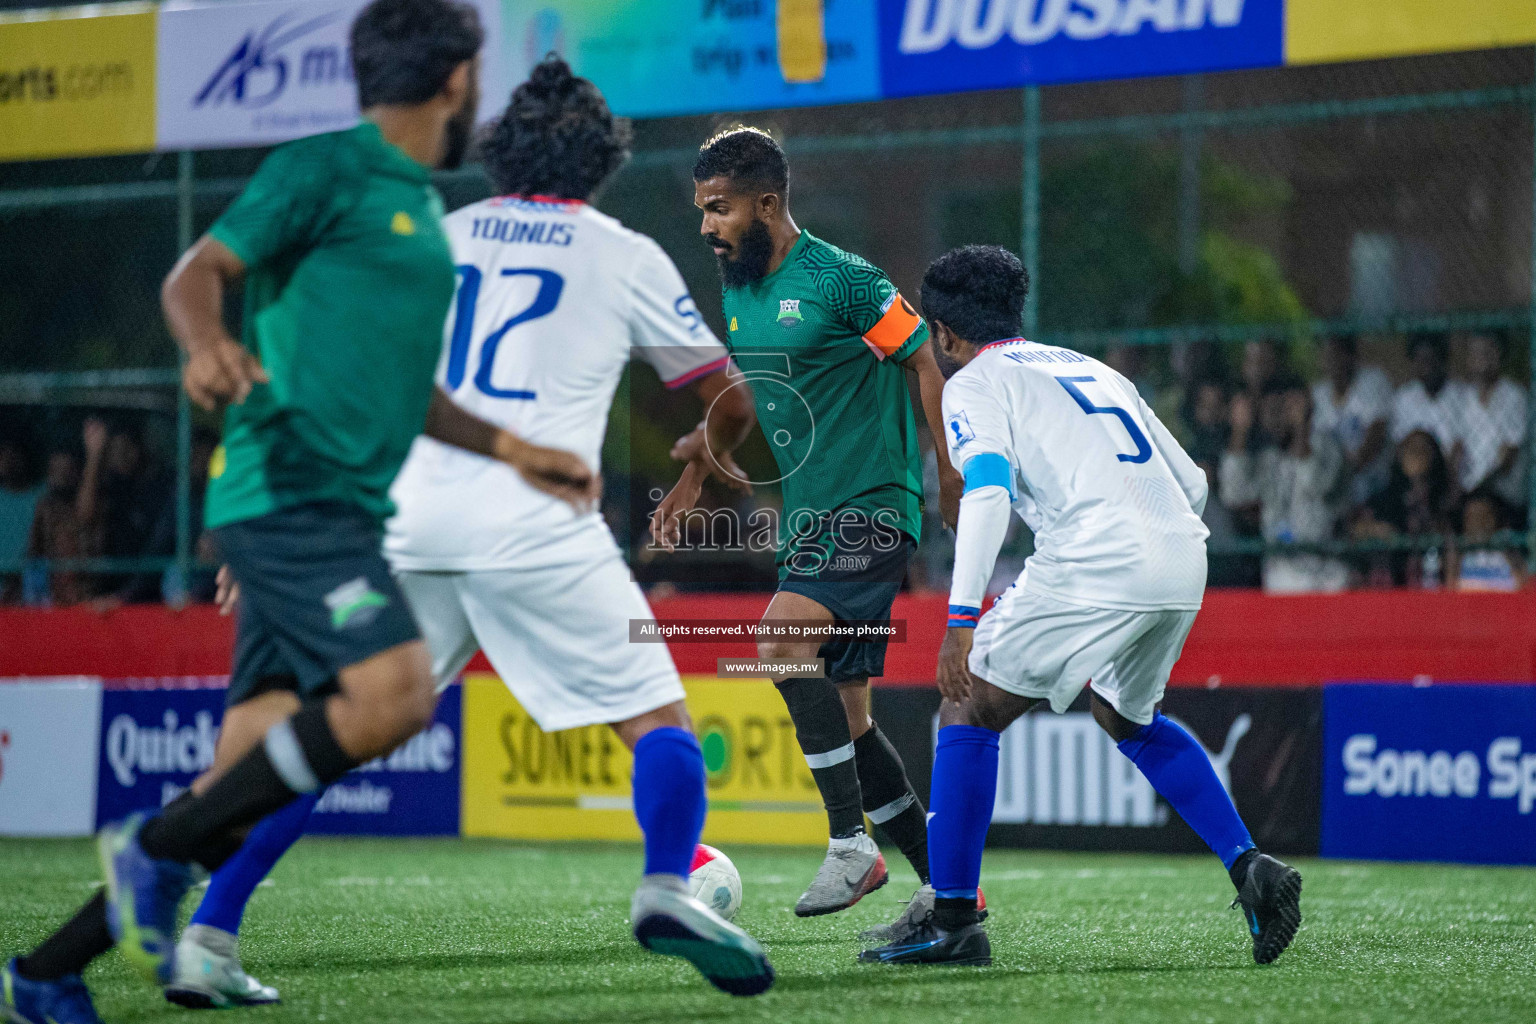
(417, 703)
(855, 697)
(673, 716)
(783, 650)
(1111, 721)
(989, 715)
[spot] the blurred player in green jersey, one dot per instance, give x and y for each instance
(348, 278)
(829, 347)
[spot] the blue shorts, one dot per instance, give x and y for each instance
(316, 595)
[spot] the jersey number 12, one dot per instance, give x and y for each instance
(544, 302)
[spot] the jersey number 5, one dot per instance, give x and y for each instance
(1143, 449)
(544, 302)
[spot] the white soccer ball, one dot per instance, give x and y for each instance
(715, 881)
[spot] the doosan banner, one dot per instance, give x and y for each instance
(931, 46)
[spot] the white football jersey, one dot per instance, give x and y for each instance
(1112, 499)
(552, 298)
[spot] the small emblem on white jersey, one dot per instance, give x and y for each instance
(960, 432)
(789, 313)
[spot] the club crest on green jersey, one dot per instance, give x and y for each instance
(789, 313)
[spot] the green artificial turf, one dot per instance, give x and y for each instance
(449, 930)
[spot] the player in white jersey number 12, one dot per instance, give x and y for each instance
(1105, 601)
(553, 297)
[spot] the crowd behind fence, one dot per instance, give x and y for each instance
(1320, 278)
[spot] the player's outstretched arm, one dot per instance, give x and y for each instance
(553, 471)
(930, 390)
(728, 419)
(218, 369)
(707, 450)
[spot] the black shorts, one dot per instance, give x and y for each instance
(854, 569)
(315, 596)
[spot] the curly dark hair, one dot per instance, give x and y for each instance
(746, 155)
(556, 138)
(404, 50)
(977, 291)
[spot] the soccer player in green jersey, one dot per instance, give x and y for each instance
(829, 347)
(348, 279)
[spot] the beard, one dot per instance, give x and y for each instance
(947, 367)
(751, 256)
(458, 134)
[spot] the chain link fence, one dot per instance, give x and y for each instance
(1320, 277)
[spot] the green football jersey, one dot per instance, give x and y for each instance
(820, 339)
(348, 281)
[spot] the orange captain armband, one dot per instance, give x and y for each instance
(897, 322)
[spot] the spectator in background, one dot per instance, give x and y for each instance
(1431, 401)
(1295, 482)
(1354, 404)
(1490, 426)
(1204, 414)
(1264, 374)
(122, 489)
(1484, 569)
(1205, 418)
(1415, 503)
(59, 530)
(19, 494)
(1127, 359)
(1195, 365)
(166, 585)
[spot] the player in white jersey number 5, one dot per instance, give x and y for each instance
(1105, 601)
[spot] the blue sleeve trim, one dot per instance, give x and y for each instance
(963, 616)
(988, 469)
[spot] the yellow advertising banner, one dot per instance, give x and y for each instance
(77, 81)
(523, 783)
(1319, 31)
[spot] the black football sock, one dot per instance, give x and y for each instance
(80, 940)
(889, 799)
(821, 726)
(299, 755)
(1238, 872)
(954, 914)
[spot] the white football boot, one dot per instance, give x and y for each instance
(854, 868)
(667, 920)
(208, 975)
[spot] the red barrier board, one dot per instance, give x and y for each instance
(1240, 638)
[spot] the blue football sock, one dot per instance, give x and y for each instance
(961, 796)
(669, 798)
(1178, 768)
(231, 886)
